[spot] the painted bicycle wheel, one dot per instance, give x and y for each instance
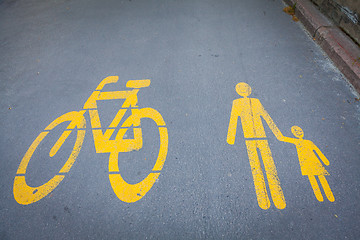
(133, 192)
(23, 193)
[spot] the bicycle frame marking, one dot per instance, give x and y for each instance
(126, 192)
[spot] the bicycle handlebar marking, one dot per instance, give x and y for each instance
(24, 194)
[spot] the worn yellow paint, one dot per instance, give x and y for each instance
(107, 80)
(326, 187)
(145, 113)
(102, 141)
(315, 188)
(115, 122)
(76, 119)
(59, 143)
(134, 192)
(163, 149)
(123, 190)
(103, 144)
(129, 192)
(250, 111)
(91, 101)
(74, 153)
(94, 119)
(23, 193)
(25, 161)
(271, 173)
(129, 96)
(310, 164)
(118, 95)
(138, 83)
(113, 160)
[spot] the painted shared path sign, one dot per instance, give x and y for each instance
(172, 120)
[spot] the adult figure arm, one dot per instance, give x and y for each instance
(288, 139)
(233, 123)
(271, 123)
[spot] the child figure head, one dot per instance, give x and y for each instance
(297, 131)
(243, 89)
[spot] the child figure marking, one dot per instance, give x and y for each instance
(310, 163)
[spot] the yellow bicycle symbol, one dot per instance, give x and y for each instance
(126, 192)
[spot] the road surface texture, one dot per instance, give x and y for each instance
(53, 56)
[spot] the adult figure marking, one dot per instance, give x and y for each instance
(250, 111)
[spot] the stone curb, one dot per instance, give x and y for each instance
(338, 46)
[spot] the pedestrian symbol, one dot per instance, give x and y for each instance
(250, 111)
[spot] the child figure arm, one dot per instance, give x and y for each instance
(321, 155)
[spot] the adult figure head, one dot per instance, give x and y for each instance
(243, 89)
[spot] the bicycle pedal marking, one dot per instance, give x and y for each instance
(25, 194)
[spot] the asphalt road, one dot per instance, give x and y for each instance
(55, 53)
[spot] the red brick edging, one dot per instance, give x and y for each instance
(339, 47)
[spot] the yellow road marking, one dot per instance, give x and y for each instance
(25, 194)
(310, 163)
(250, 111)
(59, 143)
(138, 83)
